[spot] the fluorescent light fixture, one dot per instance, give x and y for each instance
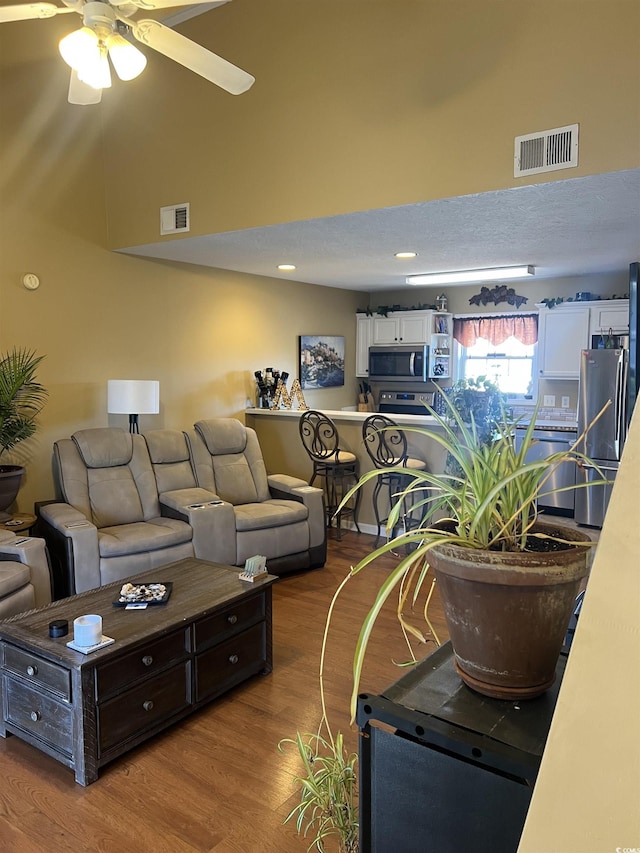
(402, 255)
(286, 267)
(469, 276)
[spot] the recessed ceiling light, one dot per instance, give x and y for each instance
(469, 276)
(403, 255)
(286, 267)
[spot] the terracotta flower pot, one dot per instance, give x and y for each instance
(508, 612)
(10, 479)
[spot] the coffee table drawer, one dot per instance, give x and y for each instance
(231, 662)
(229, 621)
(144, 707)
(149, 659)
(49, 719)
(40, 672)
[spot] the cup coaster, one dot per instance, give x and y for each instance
(85, 650)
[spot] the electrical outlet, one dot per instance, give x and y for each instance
(549, 400)
(565, 402)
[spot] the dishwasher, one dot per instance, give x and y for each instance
(548, 441)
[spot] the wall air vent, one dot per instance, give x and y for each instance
(546, 151)
(174, 219)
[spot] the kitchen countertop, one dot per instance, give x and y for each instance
(341, 415)
(412, 419)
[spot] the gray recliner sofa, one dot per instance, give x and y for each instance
(110, 525)
(25, 581)
(135, 502)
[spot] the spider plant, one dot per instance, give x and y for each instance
(486, 501)
(328, 807)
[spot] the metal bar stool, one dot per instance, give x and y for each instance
(337, 468)
(387, 447)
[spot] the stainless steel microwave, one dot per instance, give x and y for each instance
(402, 363)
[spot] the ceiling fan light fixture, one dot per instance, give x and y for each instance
(471, 276)
(127, 60)
(80, 48)
(96, 73)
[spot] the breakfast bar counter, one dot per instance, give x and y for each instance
(282, 447)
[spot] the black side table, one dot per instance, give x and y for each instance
(443, 768)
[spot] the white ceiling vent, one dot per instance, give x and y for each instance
(546, 151)
(174, 219)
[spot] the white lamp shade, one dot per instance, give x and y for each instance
(133, 397)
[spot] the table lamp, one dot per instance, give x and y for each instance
(133, 397)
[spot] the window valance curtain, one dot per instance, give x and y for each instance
(496, 330)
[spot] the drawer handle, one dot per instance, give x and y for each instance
(232, 619)
(148, 705)
(32, 670)
(233, 658)
(147, 660)
(35, 716)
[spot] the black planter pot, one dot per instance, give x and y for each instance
(10, 479)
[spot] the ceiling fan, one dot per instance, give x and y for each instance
(106, 32)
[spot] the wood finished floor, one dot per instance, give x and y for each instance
(216, 781)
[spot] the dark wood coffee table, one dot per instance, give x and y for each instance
(85, 710)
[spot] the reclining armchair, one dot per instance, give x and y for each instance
(110, 525)
(277, 516)
(25, 581)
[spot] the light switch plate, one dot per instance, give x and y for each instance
(549, 400)
(565, 402)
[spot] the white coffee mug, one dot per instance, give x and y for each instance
(87, 630)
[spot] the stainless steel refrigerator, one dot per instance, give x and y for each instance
(603, 376)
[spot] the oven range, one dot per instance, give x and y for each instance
(405, 402)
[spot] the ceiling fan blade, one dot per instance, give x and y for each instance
(31, 10)
(193, 56)
(160, 4)
(80, 93)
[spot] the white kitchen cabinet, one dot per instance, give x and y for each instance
(563, 332)
(403, 327)
(610, 314)
(364, 339)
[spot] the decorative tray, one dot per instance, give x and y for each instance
(144, 594)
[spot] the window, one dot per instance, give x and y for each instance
(502, 348)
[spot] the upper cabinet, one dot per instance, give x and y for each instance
(563, 332)
(440, 345)
(570, 327)
(403, 327)
(610, 316)
(364, 339)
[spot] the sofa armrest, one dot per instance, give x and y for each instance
(73, 544)
(212, 520)
(294, 489)
(33, 553)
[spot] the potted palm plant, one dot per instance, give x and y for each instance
(21, 400)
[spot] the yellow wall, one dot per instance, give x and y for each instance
(99, 315)
(360, 104)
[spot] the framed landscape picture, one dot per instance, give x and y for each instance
(321, 361)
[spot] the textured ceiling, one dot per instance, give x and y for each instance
(565, 228)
